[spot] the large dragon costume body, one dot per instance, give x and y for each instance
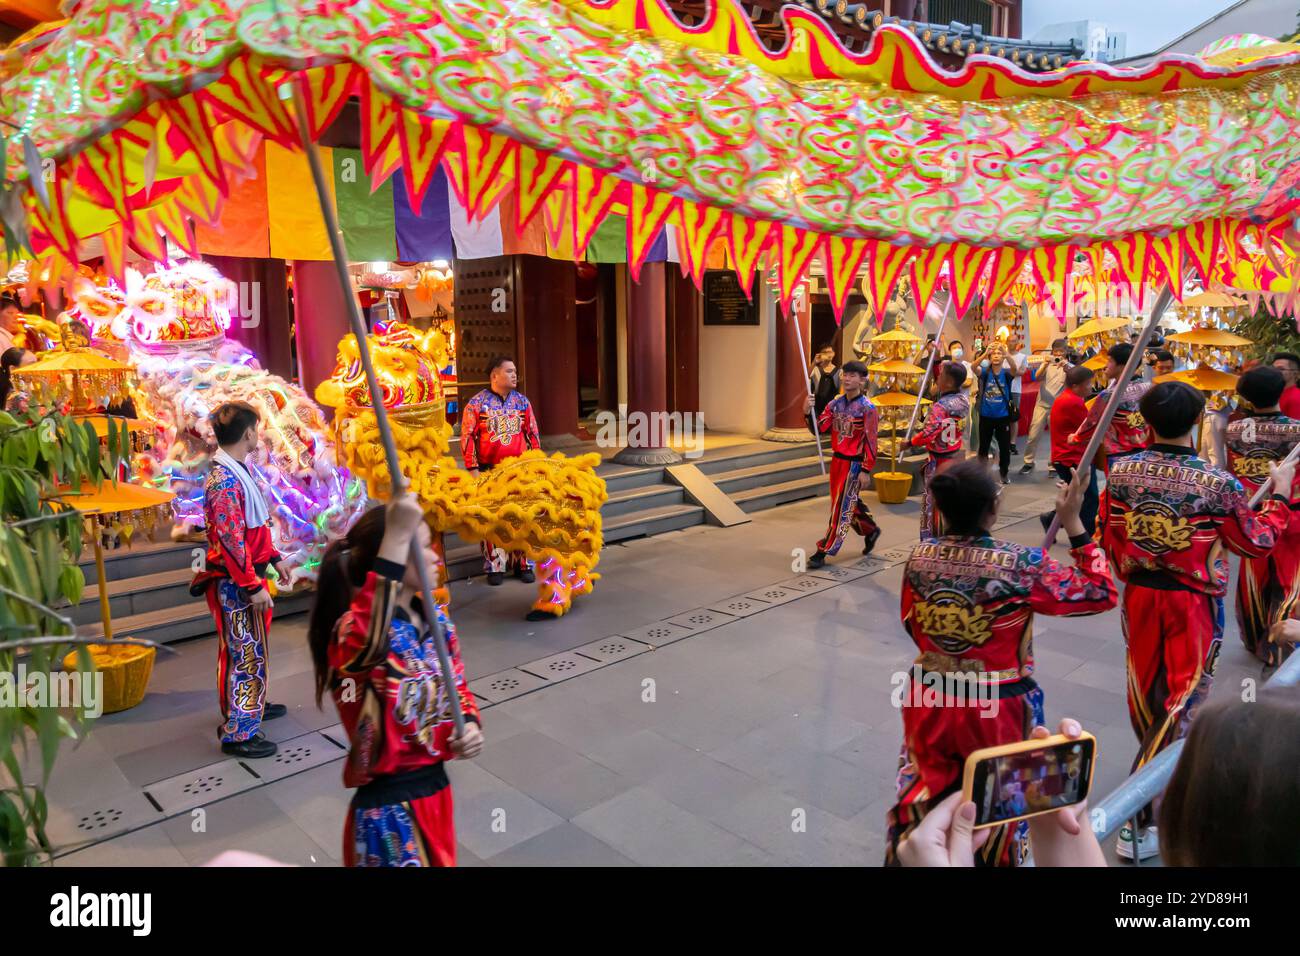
(545, 506)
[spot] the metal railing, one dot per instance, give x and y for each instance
(1123, 805)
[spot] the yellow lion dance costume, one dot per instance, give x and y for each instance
(546, 507)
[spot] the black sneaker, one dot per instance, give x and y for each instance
(1026, 468)
(495, 578)
(527, 576)
(253, 748)
(818, 560)
(272, 711)
(1005, 479)
(870, 544)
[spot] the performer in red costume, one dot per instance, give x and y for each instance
(373, 651)
(1268, 587)
(240, 551)
(1128, 431)
(853, 422)
(496, 425)
(942, 435)
(969, 602)
(1165, 518)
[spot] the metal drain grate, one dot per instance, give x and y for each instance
(658, 633)
(742, 606)
(202, 786)
(293, 755)
(505, 684)
(99, 820)
(562, 667)
(612, 648)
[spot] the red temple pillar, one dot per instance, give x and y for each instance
(647, 369)
(549, 369)
(789, 423)
(259, 318)
(321, 314)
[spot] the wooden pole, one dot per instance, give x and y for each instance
(105, 614)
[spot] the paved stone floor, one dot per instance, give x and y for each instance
(707, 750)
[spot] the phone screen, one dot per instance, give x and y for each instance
(1016, 785)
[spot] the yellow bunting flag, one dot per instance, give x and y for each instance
(244, 94)
(1005, 271)
(747, 238)
(699, 224)
(966, 268)
(536, 175)
(487, 161)
(1132, 254)
(841, 259)
(326, 90)
(796, 250)
(423, 141)
(593, 194)
(103, 160)
(114, 239)
(297, 228)
(558, 218)
(648, 210)
(145, 235)
(885, 263)
(927, 267)
(1168, 254)
(189, 116)
(1201, 245)
(379, 116)
(54, 221)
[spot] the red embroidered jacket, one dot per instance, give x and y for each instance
(493, 429)
(969, 602)
(1128, 429)
(388, 687)
(1166, 516)
(235, 550)
(1256, 440)
(945, 425)
(853, 426)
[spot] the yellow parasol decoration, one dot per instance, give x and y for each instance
(1213, 300)
(1203, 379)
(143, 506)
(892, 486)
(1099, 327)
(90, 378)
(1203, 343)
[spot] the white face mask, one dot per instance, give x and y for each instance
(957, 354)
(985, 364)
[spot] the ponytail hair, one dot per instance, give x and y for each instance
(343, 570)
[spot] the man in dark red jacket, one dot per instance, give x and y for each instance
(233, 579)
(1288, 363)
(498, 424)
(1068, 413)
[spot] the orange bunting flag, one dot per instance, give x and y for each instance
(189, 117)
(1167, 251)
(842, 258)
(648, 210)
(796, 250)
(699, 224)
(885, 262)
(1005, 271)
(966, 269)
(244, 94)
(145, 235)
(927, 266)
(1201, 245)
(536, 175)
(325, 92)
(1132, 254)
(423, 141)
(746, 240)
(593, 193)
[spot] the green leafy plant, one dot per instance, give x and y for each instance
(1269, 333)
(45, 459)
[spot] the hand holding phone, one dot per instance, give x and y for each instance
(1025, 779)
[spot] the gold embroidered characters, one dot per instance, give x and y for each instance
(952, 626)
(1158, 530)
